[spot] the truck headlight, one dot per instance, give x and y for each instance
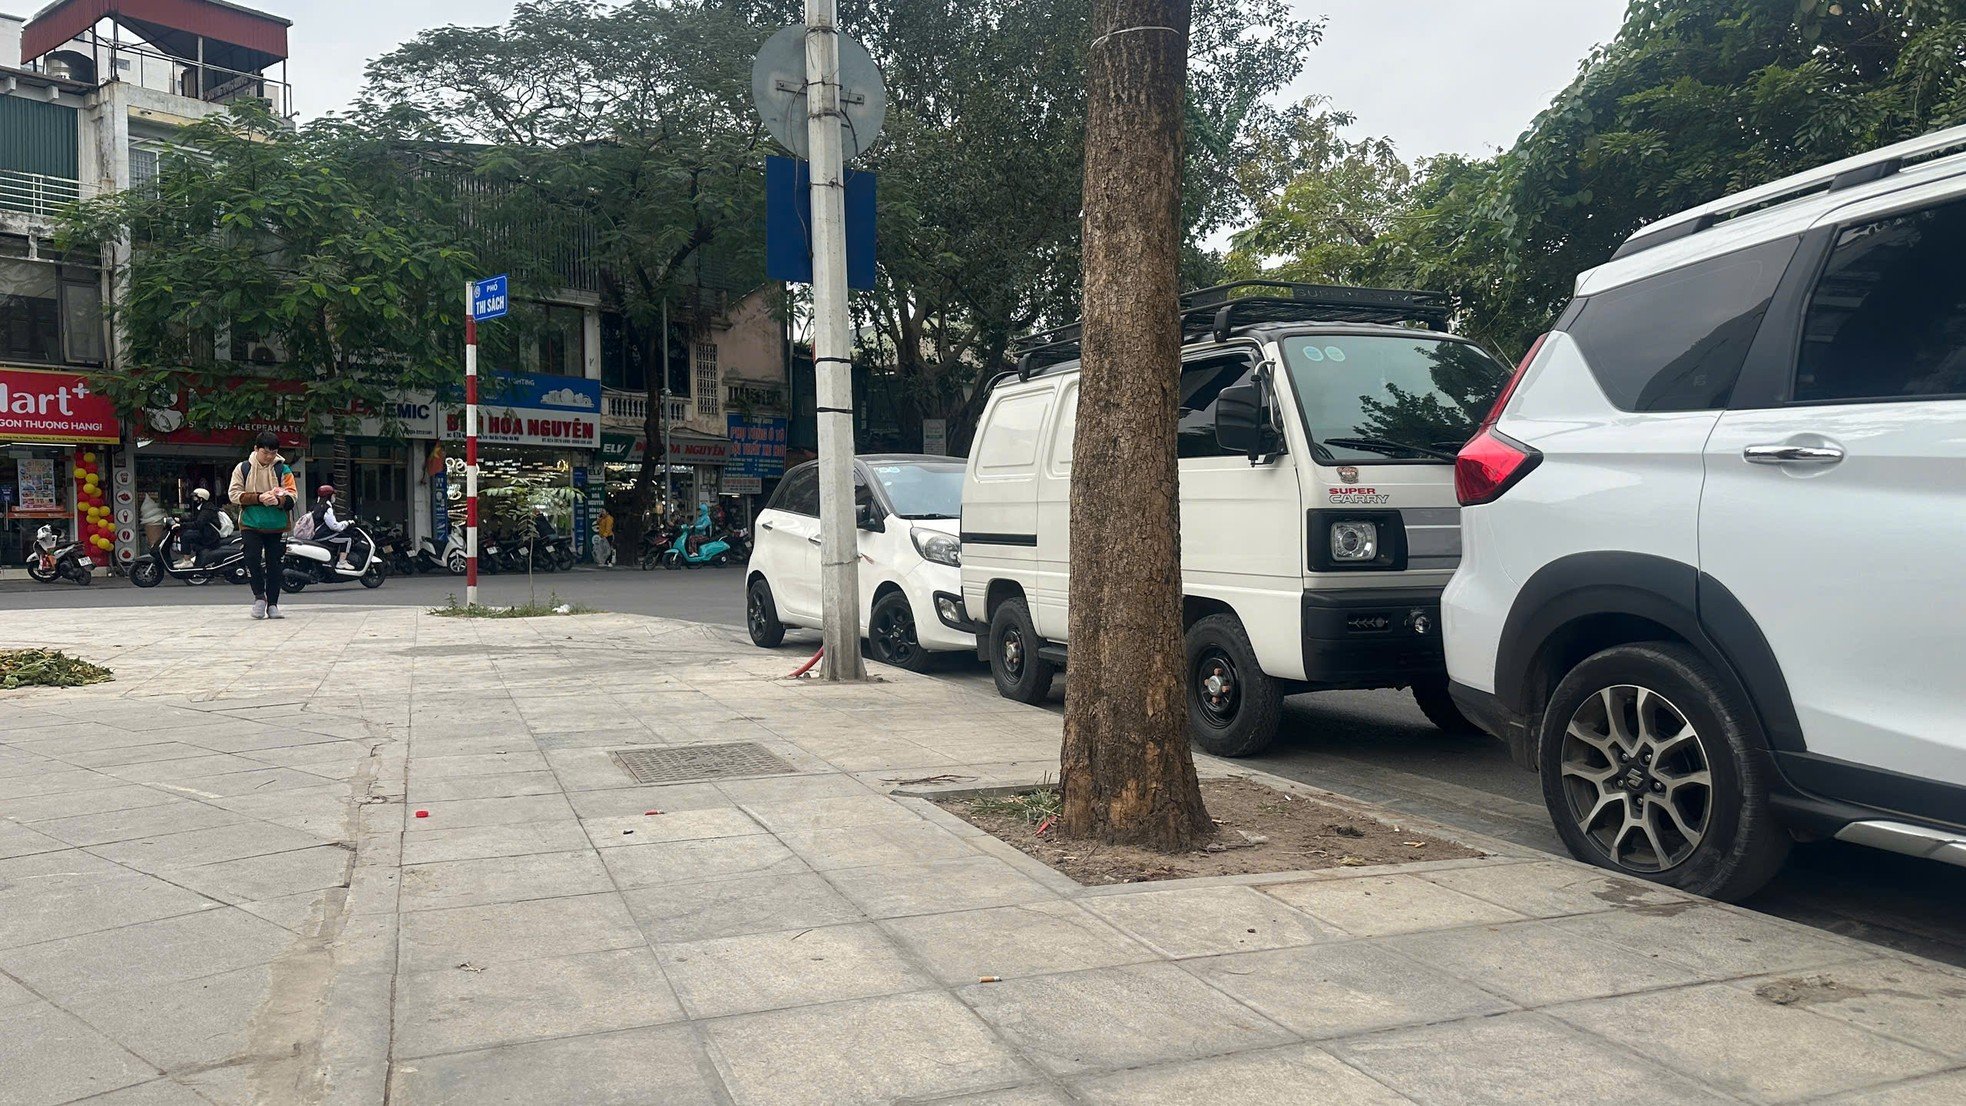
(1354, 541)
(938, 547)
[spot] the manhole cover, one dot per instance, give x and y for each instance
(674, 764)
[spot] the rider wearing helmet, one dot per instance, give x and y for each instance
(200, 531)
(329, 530)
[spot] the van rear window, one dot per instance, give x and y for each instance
(1376, 397)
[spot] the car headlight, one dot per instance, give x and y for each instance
(1354, 541)
(938, 547)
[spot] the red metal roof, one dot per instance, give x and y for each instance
(255, 39)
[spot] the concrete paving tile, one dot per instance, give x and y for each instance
(1118, 1017)
(13, 994)
(1746, 1045)
(1715, 941)
(206, 846)
(1515, 1060)
(133, 754)
(1554, 888)
(189, 946)
(809, 816)
(454, 1009)
(485, 935)
(175, 816)
(1015, 941)
(73, 804)
(180, 1024)
(669, 798)
(320, 810)
(261, 781)
(973, 883)
(1921, 1005)
(1538, 964)
(422, 790)
(73, 893)
(698, 910)
(157, 1092)
(638, 1067)
(882, 844)
(1939, 1090)
(872, 1051)
(1372, 906)
(689, 861)
(165, 771)
(1033, 1094)
(273, 876)
(1344, 989)
(18, 840)
(1207, 921)
(452, 883)
(642, 828)
(462, 813)
(62, 782)
(51, 1056)
(425, 766)
(789, 789)
(588, 769)
(475, 842)
(794, 967)
(1298, 1073)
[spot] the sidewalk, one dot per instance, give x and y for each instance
(213, 888)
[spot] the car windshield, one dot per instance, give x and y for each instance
(1379, 397)
(922, 489)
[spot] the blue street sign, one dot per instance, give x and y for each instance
(788, 223)
(488, 298)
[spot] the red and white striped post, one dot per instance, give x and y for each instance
(470, 451)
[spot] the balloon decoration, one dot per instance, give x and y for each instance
(95, 523)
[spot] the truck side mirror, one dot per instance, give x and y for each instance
(1245, 421)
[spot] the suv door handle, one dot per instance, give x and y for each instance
(1792, 454)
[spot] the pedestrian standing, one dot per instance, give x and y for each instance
(263, 487)
(604, 539)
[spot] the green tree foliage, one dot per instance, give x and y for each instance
(1321, 202)
(314, 240)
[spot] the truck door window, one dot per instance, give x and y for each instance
(1201, 384)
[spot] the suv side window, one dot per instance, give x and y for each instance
(1675, 341)
(1201, 384)
(1887, 319)
(799, 494)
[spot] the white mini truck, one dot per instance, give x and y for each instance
(1319, 524)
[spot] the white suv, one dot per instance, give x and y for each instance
(1713, 583)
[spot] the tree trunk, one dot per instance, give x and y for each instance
(1127, 773)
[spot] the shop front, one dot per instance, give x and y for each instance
(694, 473)
(56, 458)
(538, 443)
(174, 459)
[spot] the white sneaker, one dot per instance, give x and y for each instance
(259, 608)
(273, 611)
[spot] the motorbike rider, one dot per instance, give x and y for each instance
(263, 485)
(329, 530)
(200, 531)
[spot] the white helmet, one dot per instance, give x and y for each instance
(201, 494)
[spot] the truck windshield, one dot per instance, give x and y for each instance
(922, 489)
(1378, 397)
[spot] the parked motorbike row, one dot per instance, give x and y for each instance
(305, 563)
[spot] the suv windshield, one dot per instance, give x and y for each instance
(922, 489)
(1378, 397)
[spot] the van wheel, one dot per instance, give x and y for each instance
(1233, 707)
(1654, 768)
(1014, 662)
(1439, 707)
(761, 616)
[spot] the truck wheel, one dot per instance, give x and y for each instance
(761, 616)
(1654, 767)
(1233, 707)
(1019, 672)
(1438, 706)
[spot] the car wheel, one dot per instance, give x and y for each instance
(146, 573)
(761, 616)
(1019, 672)
(1233, 707)
(1434, 702)
(1653, 767)
(891, 632)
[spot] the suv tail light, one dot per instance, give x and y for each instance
(1492, 462)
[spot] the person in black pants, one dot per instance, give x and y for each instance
(263, 487)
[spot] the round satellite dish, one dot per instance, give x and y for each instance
(778, 87)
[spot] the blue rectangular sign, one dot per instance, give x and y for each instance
(788, 223)
(757, 446)
(489, 299)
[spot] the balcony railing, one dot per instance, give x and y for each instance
(140, 65)
(633, 407)
(37, 193)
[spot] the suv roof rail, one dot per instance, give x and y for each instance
(1834, 177)
(1217, 311)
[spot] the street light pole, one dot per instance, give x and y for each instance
(839, 545)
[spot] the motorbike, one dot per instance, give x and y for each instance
(740, 544)
(657, 539)
(313, 562)
(393, 546)
(224, 561)
(60, 558)
(712, 550)
(428, 558)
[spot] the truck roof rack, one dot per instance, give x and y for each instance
(1216, 313)
(1834, 177)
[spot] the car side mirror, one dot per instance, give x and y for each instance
(1245, 420)
(868, 517)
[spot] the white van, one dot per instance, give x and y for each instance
(1319, 524)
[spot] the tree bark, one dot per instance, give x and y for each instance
(1127, 773)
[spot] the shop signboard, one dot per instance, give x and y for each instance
(562, 412)
(167, 422)
(40, 491)
(440, 506)
(581, 544)
(935, 437)
(54, 407)
(742, 485)
(757, 446)
(627, 449)
(414, 415)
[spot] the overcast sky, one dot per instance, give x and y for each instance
(1434, 75)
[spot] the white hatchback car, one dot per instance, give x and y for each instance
(910, 508)
(1711, 574)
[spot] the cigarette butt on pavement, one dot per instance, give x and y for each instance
(989, 979)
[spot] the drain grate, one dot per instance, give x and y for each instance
(675, 764)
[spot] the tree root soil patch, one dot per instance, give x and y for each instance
(1258, 829)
